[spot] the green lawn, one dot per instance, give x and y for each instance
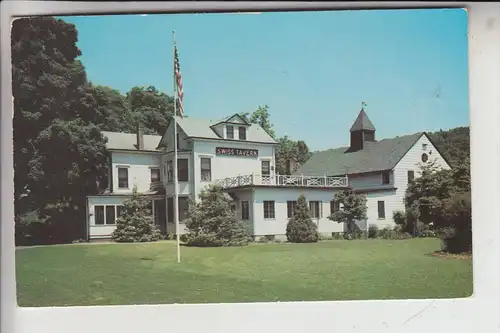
(105, 274)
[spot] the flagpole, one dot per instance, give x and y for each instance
(176, 180)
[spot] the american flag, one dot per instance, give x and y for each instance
(178, 77)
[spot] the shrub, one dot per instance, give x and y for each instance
(212, 223)
(373, 231)
(399, 218)
(337, 235)
(323, 237)
(300, 227)
(136, 223)
(457, 236)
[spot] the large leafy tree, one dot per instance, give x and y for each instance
(59, 152)
(152, 107)
(443, 198)
(113, 112)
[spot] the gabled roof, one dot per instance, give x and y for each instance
(127, 141)
(362, 123)
(202, 129)
(375, 156)
(227, 120)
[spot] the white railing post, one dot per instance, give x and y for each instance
(252, 179)
(324, 178)
(277, 180)
(301, 179)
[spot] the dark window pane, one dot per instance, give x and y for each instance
(123, 177)
(381, 210)
(110, 214)
(182, 172)
(242, 133)
(99, 215)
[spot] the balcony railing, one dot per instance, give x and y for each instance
(283, 180)
(153, 186)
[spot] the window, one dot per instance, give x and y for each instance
(242, 133)
(424, 146)
(155, 175)
(334, 206)
(123, 177)
(170, 174)
(266, 168)
(245, 210)
(99, 215)
(411, 175)
(183, 208)
(424, 157)
(230, 132)
(269, 210)
(385, 178)
(206, 169)
(314, 208)
(120, 210)
(110, 214)
(381, 210)
(291, 206)
(183, 171)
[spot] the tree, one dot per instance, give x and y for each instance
(136, 223)
(151, 107)
(290, 149)
(353, 209)
(113, 112)
(59, 152)
(211, 222)
(443, 198)
(300, 227)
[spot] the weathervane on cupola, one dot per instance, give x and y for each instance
(362, 131)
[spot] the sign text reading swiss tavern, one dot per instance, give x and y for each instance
(236, 152)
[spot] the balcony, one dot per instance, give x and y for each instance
(283, 180)
(155, 186)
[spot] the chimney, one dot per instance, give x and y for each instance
(140, 138)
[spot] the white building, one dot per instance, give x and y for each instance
(241, 157)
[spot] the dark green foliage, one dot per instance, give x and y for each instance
(442, 197)
(137, 223)
(399, 218)
(388, 233)
(354, 209)
(300, 227)
(373, 231)
(211, 222)
(53, 113)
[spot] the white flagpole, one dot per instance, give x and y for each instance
(176, 180)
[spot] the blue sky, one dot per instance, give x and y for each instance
(313, 69)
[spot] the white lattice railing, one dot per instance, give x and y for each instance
(283, 180)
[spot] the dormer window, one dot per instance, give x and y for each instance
(230, 132)
(242, 133)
